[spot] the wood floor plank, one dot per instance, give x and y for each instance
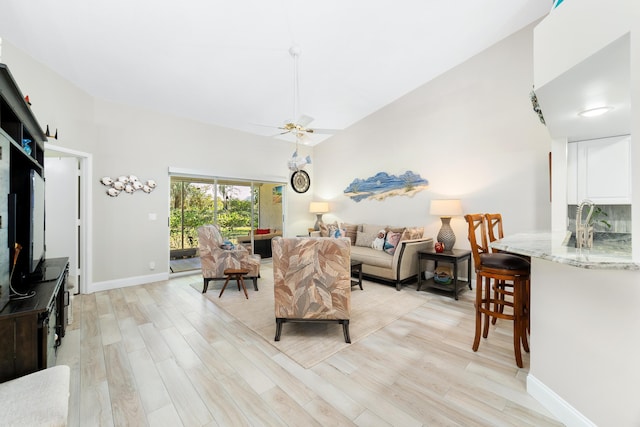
(163, 354)
(95, 406)
(165, 417)
(287, 408)
(220, 403)
(185, 397)
(126, 403)
(149, 383)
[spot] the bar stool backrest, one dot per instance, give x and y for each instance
(477, 237)
(494, 227)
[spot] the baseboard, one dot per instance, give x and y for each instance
(128, 281)
(561, 409)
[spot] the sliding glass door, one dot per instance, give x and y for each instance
(237, 207)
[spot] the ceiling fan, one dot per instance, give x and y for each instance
(300, 127)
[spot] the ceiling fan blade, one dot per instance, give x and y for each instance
(304, 120)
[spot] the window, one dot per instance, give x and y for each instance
(237, 207)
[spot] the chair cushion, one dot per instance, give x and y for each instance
(504, 261)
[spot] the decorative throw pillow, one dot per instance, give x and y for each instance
(227, 245)
(351, 231)
(327, 230)
(391, 243)
(365, 239)
(338, 233)
(411, 233)
(396, 229)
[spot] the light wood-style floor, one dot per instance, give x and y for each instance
(162, 355)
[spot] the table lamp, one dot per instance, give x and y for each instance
(445, 209)
(318, 208)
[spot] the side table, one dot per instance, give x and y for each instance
(356, 267)
(455, 256)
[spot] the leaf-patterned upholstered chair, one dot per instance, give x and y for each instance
(215, 260)
(312, 281)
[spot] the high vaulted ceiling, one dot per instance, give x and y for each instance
(227, 62)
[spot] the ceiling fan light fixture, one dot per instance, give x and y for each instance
(595, 112)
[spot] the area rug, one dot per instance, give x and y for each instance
(372, 308)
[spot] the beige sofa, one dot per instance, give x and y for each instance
(397, 267)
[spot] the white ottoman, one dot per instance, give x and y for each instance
(37, 399)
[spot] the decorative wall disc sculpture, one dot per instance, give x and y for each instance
(127, 183)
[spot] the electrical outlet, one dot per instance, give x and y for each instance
(152, 265)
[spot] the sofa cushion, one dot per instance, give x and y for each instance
(372, 228)
(370, 256)
(365, 239)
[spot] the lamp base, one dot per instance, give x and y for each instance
(316, 226)
(446, 235)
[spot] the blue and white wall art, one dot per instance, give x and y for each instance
(382, 185)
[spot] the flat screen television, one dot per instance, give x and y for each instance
(36, 231)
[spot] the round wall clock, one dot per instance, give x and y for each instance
(300, 181)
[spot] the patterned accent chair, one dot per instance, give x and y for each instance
(215, 260)
(312, 281)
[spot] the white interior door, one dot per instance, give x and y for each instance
(62, 211)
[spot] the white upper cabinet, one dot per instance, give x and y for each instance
(585, 67)
(599, 170)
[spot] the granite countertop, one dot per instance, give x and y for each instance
(609, 252)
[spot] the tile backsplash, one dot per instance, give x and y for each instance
(619, 216)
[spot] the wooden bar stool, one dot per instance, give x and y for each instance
(498, 267)
(237, 274)
(494, 226)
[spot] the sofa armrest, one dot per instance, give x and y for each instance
(405, 259)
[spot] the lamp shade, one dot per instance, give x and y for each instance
(318, 207)
(446, 208)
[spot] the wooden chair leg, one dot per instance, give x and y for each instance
(478, 304)
(226, 282)
(241, 281)
(487, 306)
(205, 286)
(255, 283)
(518, 289)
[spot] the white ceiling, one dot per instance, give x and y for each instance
(227, 62)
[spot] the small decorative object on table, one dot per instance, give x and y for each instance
(445, 209)
(439, 247)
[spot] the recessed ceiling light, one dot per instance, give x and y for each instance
(593, 112)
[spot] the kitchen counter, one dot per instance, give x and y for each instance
(607, 253)
(583, 316)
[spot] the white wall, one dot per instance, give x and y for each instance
(584, 344)
(125, 140)
(471, 132)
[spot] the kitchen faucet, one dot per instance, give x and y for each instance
(584, 231)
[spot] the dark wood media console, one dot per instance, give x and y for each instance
(31, 330)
